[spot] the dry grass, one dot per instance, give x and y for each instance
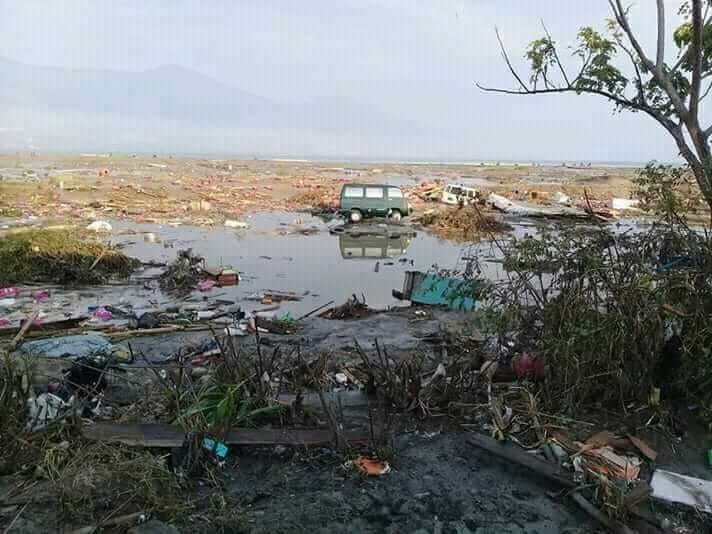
(59, 256)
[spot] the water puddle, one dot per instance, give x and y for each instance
(298, 253)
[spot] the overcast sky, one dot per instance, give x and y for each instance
(414, 61)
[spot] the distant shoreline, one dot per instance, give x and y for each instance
(573, 164)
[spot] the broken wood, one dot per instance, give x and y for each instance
(170, 436)
(590, 509)
(21, 334)
(315, 310)
(645, 449)
(549, 472)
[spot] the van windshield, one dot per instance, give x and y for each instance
(455, 190)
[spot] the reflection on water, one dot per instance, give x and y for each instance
(274, 254)
(372, 246)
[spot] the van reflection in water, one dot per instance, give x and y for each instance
(373, 246)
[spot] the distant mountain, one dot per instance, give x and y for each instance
(172, 108)
(170, 92)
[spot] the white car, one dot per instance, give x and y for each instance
(455, 194)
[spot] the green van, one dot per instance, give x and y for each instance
(373, 200)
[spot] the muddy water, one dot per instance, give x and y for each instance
(274, 254)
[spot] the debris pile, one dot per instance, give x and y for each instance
(183, 274)
(354, 308)
(467, 223)
(319, 198)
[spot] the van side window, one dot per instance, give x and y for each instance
(374, 192)
(394, 192)
(353, 192)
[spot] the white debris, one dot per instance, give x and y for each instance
(673, 487)
(44, 409)
(229, 223)
(561, 198)
(624, 204)
(341, 378)
(99, 227)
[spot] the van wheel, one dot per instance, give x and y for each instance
(396, 215)
(355, 216)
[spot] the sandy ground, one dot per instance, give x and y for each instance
(204, 191)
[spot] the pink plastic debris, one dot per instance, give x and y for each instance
(102, 313)
(40, 294)
(4, 322)
(205, 285)
(9, 292)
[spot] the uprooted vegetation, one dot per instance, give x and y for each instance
(614, 317)
(182, 274)
(60, 256)
(466, 223)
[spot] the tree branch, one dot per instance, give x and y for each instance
(556, 54)
(696, 52)
(706, 92)
(662, 79)
(639, 77)
(667, 123)
(506, 60)
(660, 58)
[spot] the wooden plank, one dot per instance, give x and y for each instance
(142, 434)
(170, 436)
(519, 457)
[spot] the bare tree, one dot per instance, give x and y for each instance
(670, 94)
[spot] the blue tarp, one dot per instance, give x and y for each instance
(91, 344)
(436, 290)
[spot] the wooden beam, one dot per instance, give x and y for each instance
(170, 436)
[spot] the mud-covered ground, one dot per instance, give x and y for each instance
(439, 483)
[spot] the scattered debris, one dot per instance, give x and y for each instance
(205, 285)
(101, 313)
(181, 276)
(521, 209)
(351, 309)
(44, 409)
(561, 198)
(463, 223)
(372, 466)
(229, 223)
(99, 227)
(624, 204)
